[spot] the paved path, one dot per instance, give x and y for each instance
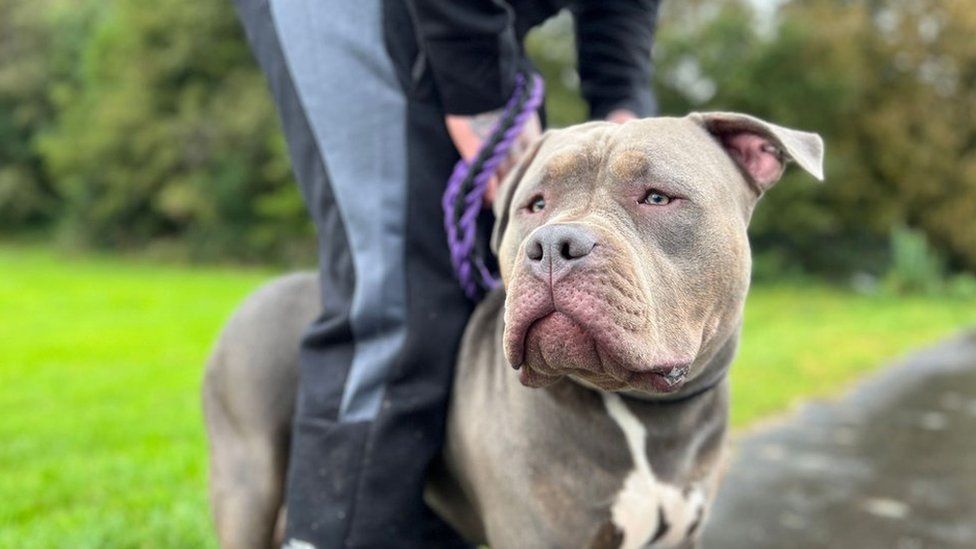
(892, 465)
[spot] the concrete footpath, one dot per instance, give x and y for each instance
(890, 465)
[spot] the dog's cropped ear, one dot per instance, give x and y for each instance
(503, 198)
(762, 149)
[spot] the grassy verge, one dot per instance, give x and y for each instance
(100, 361)
(802, 341)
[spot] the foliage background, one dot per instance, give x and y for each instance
(138, 124)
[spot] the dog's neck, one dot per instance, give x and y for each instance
(689, 422)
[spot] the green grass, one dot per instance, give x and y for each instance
(809, 340)
(101, 442)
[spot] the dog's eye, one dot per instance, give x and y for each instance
(537, 204)
(656, 198)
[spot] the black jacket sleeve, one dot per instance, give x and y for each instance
(471, 50)
(614, 39)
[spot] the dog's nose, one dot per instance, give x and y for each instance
(552, 250)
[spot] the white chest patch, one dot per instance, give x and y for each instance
(649, 512)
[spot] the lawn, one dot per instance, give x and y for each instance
(100, 362)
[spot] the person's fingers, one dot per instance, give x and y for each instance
(620, 116)
(468, 133)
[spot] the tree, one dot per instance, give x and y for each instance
(171, 134)
(38, 44)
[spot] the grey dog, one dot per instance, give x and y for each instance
(626, 264)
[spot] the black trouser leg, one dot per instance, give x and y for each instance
(371, 154)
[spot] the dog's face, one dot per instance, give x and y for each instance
(623, 248)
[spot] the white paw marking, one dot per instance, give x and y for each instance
(644, 500)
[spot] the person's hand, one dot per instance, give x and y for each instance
(470, 132)
(621, 115)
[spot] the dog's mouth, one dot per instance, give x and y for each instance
(555, 344)
(661, 378)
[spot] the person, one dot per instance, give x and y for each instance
(377, 99)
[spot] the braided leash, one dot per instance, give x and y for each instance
(467, 185)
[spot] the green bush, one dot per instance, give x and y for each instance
(170, 134)
(915, 266)
(38, 57)
(961, 286)
(128, 122)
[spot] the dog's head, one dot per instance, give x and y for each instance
(623, 248)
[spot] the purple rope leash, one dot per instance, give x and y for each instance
(462, 198)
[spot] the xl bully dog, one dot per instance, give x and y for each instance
(590, 397)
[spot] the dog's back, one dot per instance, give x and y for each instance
(248, 399)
